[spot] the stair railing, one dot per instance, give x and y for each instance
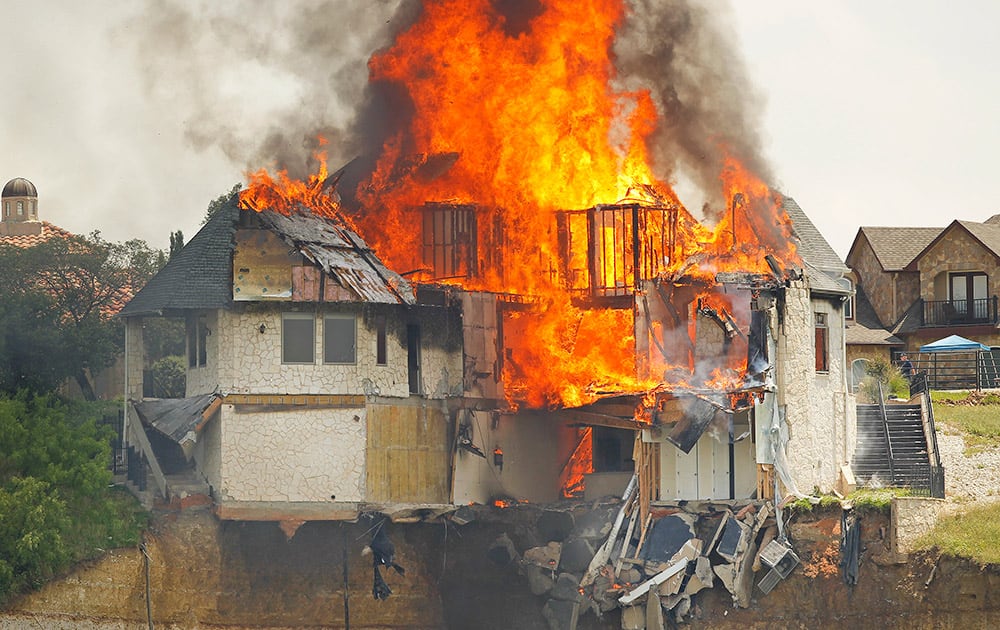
(885, 429)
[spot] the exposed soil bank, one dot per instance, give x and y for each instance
(207, 574)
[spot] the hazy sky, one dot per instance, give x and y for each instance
(877, 112)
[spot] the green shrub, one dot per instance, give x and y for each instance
(56, 503)
(168, 375)
(880, 371)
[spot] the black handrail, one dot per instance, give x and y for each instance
(885, 428)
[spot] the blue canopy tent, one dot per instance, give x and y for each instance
(953, 343)
(965, 364)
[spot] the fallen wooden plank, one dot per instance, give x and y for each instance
(604, 553)
(656, 580)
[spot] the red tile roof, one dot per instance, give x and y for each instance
(30, 240)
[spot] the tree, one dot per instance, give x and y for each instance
(221, 202)
(176, 242)
(56, 506)
(58, 304)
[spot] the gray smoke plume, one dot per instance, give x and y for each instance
(685, 54)
(259, 81)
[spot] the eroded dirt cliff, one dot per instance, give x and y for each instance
(209, 574)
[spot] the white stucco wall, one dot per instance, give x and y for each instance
(203, 379)
(535, 446)
(242, 359)
(817, 405)
(292, 455)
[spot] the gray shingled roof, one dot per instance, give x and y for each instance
(812, 246)
(896, 247)
(199, 276)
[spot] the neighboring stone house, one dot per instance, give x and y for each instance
(321, 384)
(924, 283)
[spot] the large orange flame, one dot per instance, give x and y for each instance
(522, 126)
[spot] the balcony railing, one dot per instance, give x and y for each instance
(960, 312)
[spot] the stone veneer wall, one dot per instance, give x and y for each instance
(956, 251)
(818, 410)
(912, 517)
(890, 292)
(859, 351)
(876, 283)
(134, 358)
(294, 455)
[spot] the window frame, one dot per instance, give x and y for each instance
(197, 341)
(381, 340)
(298, 317)
(328, 317)
(821, 343)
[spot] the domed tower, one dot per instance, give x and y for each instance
(19, 207)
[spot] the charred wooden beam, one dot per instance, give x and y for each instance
(585, 418)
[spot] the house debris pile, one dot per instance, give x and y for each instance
(599, 559)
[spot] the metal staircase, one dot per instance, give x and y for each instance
(893, 450)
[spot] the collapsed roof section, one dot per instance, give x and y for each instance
(335, 248)
(234, 250)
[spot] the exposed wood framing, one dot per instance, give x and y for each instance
(577, 417)
(647, 465)
(139, 435)
(765, 482)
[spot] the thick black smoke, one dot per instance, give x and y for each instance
(685, 53)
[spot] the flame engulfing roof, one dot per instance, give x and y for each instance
(335, 248)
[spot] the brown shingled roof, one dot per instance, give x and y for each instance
(896, 247)
(987, 233)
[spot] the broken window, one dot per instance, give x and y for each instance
(822, 343)
(339, 339)
(297, 338)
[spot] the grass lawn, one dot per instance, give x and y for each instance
(974, 532)
(976, 415)
(971, 534)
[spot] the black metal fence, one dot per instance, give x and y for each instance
(960, 312)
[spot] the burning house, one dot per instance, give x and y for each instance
(503, 302)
